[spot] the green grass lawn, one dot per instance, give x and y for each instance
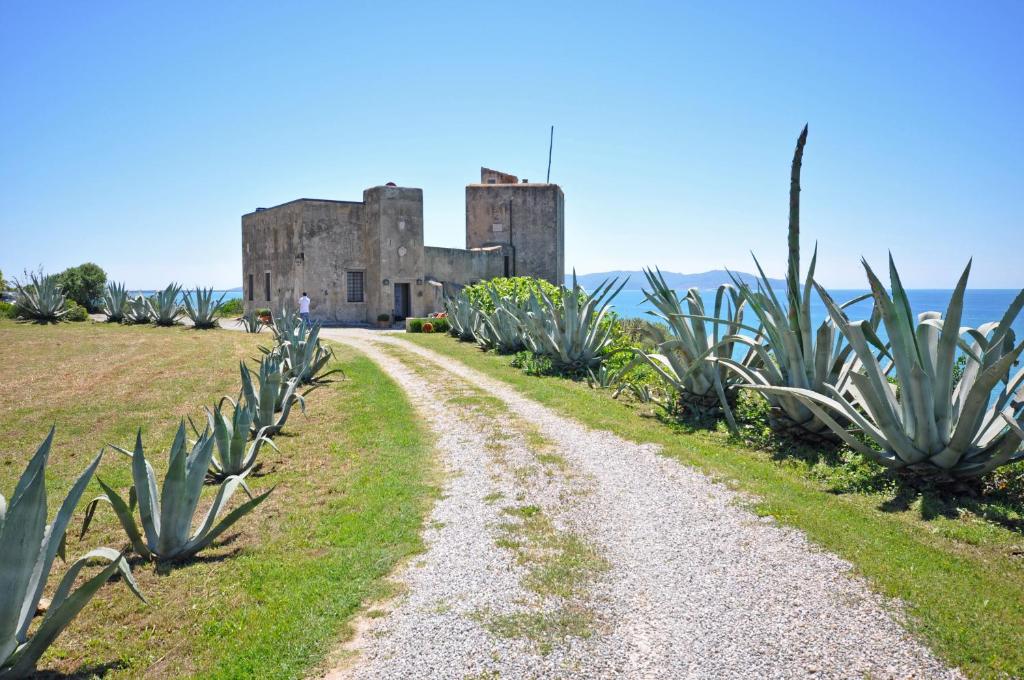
(355, 477)
(961, 576)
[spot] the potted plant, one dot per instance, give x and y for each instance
(264, 316)
(383, 320)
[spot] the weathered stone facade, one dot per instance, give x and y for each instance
(358, 260)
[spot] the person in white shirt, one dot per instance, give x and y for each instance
(304, 307)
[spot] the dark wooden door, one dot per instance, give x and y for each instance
(402, 301)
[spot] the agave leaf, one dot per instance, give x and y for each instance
(24, 524)
(977, 399)
(205, 535)
(814, 402)
(53, 541)
(60, 614)
(146, 492)
(68, 581)
(174, 516)
(124, 513)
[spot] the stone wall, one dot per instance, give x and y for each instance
(333, 244)
(306, 245)
(528, 217)
(269, 240)
(462, 267)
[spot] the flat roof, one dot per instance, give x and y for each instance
(299, 200)
(517, 184)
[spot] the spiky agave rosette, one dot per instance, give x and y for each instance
(934, 426)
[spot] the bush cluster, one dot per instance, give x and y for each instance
(83, 285)
(516, 288)
(233, 307)
(76, 312)
(436, 324)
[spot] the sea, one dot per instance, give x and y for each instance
(981, 305)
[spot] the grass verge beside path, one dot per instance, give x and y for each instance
(355, 478)
(963, 585)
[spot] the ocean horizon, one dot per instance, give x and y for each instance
(981, 305)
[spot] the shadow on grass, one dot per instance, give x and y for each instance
(212, 554)
(997, 499)
(91, 671)
(41, 322)
(168, 568)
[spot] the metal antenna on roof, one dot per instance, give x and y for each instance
(551, 144)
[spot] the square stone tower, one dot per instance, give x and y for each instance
(526, 220)
(394, 232)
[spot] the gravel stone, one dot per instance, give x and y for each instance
(697, 586)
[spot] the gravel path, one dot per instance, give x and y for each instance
(561, 551)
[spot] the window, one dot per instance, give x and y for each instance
(354, 284)
(252, 289)
(266, 284)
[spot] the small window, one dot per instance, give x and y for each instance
(252, 288)
(354, 284)
(266, 284)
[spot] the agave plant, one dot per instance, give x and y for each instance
(288, 326)
(28, 547)
(202, 312)
(270, 400)
(302, 354)
(164, 307)
(681, 358)
(115, 298)
(250, 322)
(936, 426)
(787, 351)
(603, 378)
(502, 329)
(571, 333)
(138, 310)
(41, 298)
(460, 316)
(167, 520)
(234, 455)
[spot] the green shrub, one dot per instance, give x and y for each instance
(383, 317)
(517, 288)
(533, 364)
(76, 312)
(7, 311)
(84, 284)
(415, 325)
(440, 325)
(234, 307)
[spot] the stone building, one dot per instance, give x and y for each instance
(359, 259)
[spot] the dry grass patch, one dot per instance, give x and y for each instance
(271, 597)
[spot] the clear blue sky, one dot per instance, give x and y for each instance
(137, 136)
